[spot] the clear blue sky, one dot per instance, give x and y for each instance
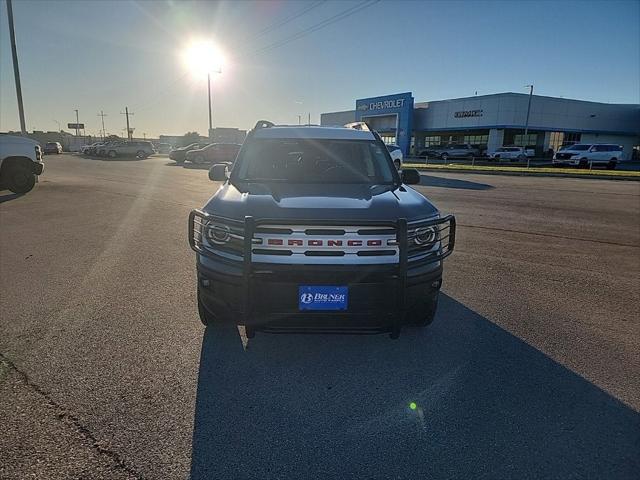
(97, 55)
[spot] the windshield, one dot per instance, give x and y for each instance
(579, 147)
(314, 161)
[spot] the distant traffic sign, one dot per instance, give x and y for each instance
(74, 126)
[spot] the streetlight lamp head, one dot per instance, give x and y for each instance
(203, 57)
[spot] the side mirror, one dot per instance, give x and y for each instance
(218, 172)
(410, 176)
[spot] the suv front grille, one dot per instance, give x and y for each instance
(314, 244)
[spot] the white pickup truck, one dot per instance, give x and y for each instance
(20, 163)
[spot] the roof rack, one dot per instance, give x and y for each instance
(358, 126)
(263, 124)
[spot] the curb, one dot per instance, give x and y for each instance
(524, 173)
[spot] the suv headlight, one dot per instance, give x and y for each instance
(217, 233)
(212, 235)
(425, 236)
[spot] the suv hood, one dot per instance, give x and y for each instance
(319, 202)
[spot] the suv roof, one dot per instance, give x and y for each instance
(335, 133)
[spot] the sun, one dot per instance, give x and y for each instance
(203, 57)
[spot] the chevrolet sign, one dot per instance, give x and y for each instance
(383, 104)
(468, 113)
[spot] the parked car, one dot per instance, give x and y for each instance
(583, 154)
(396, 155)
(179, 154)
(162, 147)
(20, 163)
(314, 229)
(91, 148)
(451, 151)
(139, 149)
(52, 147)
(215, 152)
(512, 153)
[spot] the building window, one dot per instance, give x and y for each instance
(571, 138)
(434, 140)
(556, 140)
(529, 140)
(476, 139)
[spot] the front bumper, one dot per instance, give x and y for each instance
(378, 296)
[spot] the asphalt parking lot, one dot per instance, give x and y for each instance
(530, 369)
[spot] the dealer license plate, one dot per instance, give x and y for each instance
(317, 297)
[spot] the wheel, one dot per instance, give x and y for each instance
(397, 164)
(19, 179)
(206, 317)
(583, 163)
(521, 158)
(112, 154)
(199, 159)
(444, 157)
(180, 161)
(612, 164)
(141, 154)
(425, 311)
(469, 156)
(496, 158)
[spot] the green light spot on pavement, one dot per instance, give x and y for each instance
(413, 405)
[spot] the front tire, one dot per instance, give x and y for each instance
(206, 317)
(19, 179)
(112, 154)
(141, 155)
(444, 157)
(425, 311)
(612, 164)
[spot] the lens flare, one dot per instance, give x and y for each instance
(203, 57)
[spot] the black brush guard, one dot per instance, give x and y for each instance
(446, 227)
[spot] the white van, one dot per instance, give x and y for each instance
(585, 154)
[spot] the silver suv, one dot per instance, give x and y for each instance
(127, 149)
(451, 151)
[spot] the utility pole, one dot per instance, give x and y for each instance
(16, 69)
(144, 136)
(102, 114)
(526, 125)
(209, 91)
(299, 119)
(77, 122)
(309, 121)
(127, 113)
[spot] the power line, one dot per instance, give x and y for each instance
(314, 28)
(285, 20)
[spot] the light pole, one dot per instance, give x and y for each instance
(526, 125)
(59, 128)
(77, 122)
(16, 69)
(219, 70)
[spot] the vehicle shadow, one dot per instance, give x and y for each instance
(189, 165)
(431, 181)
(6, 197)
(461, 399)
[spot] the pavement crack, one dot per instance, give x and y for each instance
(71, 420)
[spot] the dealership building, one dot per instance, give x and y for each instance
(493, 121)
